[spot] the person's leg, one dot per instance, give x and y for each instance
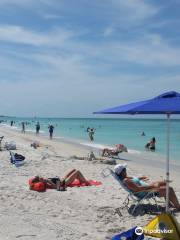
(50, 135)
(80, 177)
(158, 184)
(67, 175)
(172, 196)
(75, 175)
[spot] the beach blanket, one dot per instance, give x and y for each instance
(77, 183)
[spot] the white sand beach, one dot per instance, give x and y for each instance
(79, 213)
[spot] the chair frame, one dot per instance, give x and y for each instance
(131, 195)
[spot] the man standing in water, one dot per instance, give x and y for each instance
(37, 128)
(91, 134)
(51, 129)
(23, 127)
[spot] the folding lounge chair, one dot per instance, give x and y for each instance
(132, 196)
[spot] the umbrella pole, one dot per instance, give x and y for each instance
(167, 163)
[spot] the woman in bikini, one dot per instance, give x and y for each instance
(61, 184)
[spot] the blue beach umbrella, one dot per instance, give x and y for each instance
(167, 103)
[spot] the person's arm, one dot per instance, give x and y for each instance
(143, 178)
(136, 188)
(67, 175)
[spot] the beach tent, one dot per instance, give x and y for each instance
(167, 103)
(163, 226)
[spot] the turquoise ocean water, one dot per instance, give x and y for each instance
(111, 131)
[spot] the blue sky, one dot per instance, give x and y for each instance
(70, 58)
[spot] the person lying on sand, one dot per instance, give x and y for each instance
(61, 184)
(119, 148)
(94, 159)
(135, 184)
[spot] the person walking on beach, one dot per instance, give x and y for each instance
(51, 129)
(23, 127)
(37, 128)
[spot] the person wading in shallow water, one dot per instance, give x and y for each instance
(91, 134)
(23, 127)
(151, 145)
(51, 130)
(37, 127)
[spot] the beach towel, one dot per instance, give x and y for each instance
(128, 235)
(76, 183)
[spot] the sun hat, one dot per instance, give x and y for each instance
(119, 168)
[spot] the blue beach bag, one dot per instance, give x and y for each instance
(16, 159)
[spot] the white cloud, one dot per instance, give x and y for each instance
(153, 53)
(137, 9)
(129, 12)
(18, 34)
(24, 2)
(108, 31)
(72, 96)
(148, 49)
(72, 67)
(50, 16)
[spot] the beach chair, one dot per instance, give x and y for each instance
(132, 196)
(17, 162)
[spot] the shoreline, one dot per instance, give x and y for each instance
(97, 147)
(75, 131)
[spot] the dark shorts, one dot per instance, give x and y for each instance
(54, 179)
